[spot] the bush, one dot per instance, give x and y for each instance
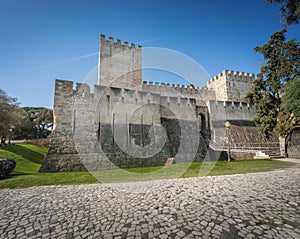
(6, 167)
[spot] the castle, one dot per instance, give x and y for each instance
(125, 122)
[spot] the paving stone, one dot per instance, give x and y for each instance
(218, 228)
(264, 205)
(181, 233)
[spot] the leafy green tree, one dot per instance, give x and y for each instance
(274, 85)
(25, 129)
(291, 98)
(11, 114)
(290, 10)
(44, 121)
(41, 121)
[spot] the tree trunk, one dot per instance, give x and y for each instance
(283, 146)
(42, 131)
(3, 140)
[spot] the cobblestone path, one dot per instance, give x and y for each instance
(260, 205)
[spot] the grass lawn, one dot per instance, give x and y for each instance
(29, 158)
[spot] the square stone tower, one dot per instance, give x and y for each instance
(119, 64)
(231, 85)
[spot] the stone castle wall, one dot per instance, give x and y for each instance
(231, 85)
(95, 130)
(200, 94)
(127, 123)
(119, 64)
(293, 148)
(222, 111)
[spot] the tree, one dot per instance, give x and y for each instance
(11, 114)
(291, 98)
(37, 123)
(290, 10)
(25, 129)
(41, 120)
(273, 88)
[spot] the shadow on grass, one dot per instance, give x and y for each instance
(25, 152)
(15, 174)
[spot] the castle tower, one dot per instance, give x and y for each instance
(119, 64)
(231, 85)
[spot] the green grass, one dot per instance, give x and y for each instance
(29, 158)
(239, 167)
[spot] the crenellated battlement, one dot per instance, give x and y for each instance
(149, 90)
(225, 81)
(119, 63)
(65, 87)
(173, 86)
(118, 43)
(240, 74)
(234, 105)
(230, 110)
(233, 75)
(176, 90)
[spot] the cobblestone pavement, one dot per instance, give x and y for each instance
(260, 205)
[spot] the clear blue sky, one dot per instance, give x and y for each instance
(38, 34)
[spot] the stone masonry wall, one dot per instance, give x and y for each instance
(119, 64)
(112, 126)
(78, 113)
(62, 154)
(231, 85)
(201, 94)
(222, 111)
(294, 145)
